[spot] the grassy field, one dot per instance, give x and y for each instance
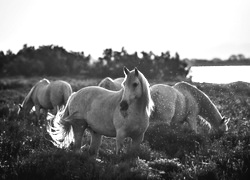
(27, 153)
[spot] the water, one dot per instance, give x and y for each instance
(220, 74)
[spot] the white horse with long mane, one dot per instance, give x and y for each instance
(184, 102)
(119, 114)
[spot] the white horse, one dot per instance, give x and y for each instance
(119, 114)
(111, 84)
(183, 103)
(46, 95)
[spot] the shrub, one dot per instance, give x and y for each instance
(173, 142)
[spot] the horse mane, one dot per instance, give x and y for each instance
(146, 94)
(206, 106)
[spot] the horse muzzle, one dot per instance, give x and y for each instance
(124, 105)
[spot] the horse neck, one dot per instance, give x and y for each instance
(141, 105)
(209, 111)
(28, 104)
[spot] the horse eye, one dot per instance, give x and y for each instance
(135, 85)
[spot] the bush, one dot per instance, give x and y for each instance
(173, 142)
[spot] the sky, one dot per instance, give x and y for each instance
(204, 29)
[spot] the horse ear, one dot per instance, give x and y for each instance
(125, 70)
(136, 72)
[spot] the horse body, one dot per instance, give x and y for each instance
(169, 103)
(90, 100)
(119, 114)
(183, 103)
(111, 84)
(47, 95)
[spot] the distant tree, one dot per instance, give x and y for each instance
(238, 57)
(241, 57)
(2, 60)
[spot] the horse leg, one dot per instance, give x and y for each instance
(78, 130)
(45, 112)
(95, 143)
(192, 121)
(55, 110)
(37, 108)
(120, 136)
(136, 141)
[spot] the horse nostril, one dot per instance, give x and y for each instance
(124, 105)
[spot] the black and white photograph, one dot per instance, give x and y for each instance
(125, 89)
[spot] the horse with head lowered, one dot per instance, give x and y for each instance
(46, 95)
(184, 102)
(119, 114)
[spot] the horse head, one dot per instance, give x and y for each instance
(136, 87)
(132, 88)
(21, 110)
(24, 108)
(223, 124)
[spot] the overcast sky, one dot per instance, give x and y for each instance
(193, 28)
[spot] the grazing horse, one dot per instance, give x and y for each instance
(114, 85)
(119, 114)
(46, 95)
(183, 103)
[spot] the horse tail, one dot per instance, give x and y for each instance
(60, 128)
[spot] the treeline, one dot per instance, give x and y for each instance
(56, 61)
(235, 60)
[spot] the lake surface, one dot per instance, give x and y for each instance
(220, 74)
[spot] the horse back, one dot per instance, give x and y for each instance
(111, 84)
(59, 92)
(40, 95)
(93, 97)
(105, 82)
(204, 105)
(191, 92)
